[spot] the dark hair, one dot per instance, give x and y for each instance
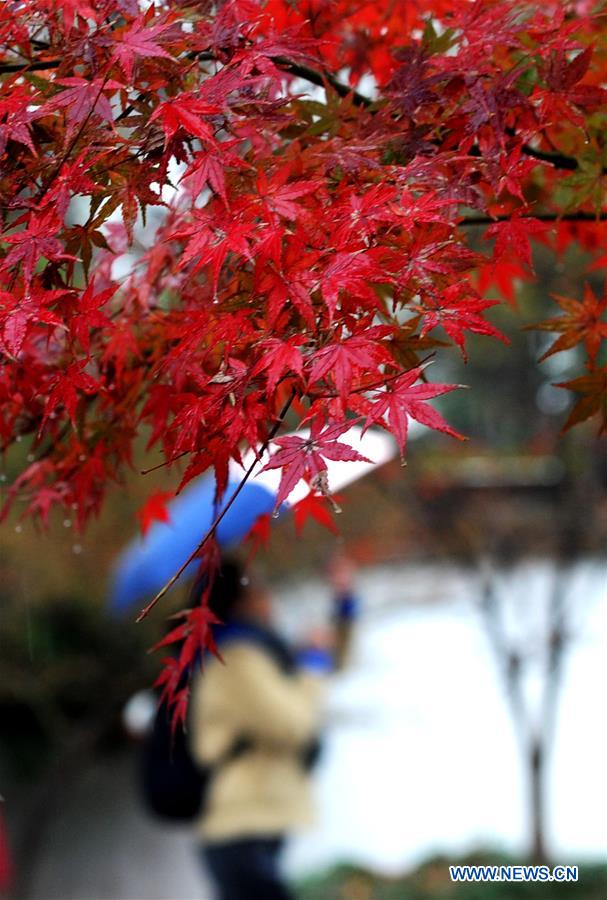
(228, 589)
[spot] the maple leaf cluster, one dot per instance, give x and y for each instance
(209, 211)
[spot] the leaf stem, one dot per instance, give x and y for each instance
(542, 217)
(213, 527)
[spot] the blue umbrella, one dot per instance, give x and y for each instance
(149, 562)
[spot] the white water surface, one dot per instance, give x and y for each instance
(421, 754)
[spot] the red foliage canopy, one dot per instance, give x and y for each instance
(309, 172)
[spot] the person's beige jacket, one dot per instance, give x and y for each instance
(266, 790)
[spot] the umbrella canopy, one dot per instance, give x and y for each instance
(148, 562)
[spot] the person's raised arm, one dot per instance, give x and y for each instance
(345, 606)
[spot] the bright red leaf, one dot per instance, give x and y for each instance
(306, 457)
(139, 41)
(582, 322)
(402, 400)
(154, 510)
(313, 506)
(192, 234)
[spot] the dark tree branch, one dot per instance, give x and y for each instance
(7, 68)
(213, 528)
(542, 217)
(558, 160)
(322, 79)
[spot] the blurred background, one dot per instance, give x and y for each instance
(470, 722)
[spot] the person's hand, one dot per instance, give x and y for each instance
(340, 572)
(320, 639)
(316, 657)
(341, 577)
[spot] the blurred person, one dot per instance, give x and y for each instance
(255, 720)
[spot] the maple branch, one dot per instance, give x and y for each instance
(300, 71)
(7, 68)
(377, 384)
(307, 73)
(213, 527)
(167, 462)
(49, 181)
(558, 160)
(541, 217)
(321, 79)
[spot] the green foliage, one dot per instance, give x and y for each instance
(65, 672)
(431, 881)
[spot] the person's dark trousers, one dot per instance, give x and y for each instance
(247, 869)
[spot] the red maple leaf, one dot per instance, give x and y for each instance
(503, 274)
(169, 677)
(351, 272)
(187, 112)
(199, 637)
(361, 215)
(88, 315)
(511, 171)
(313, 506)
(277, 196)
(195, 634)
(279, 358)
(305, 457)
(65, 390)
(212, 237)
(259, 533)
(73, 8)
(24, 313)
(81, 99)
(290, 281)
(402, 400)
(592, 388)
(562, 72)
(154, 510)
(458, 310)
(34, 242)
(581, 323)
(209, 168)
(17, 125)
(342, 361)
(513, 236)
(139, 41)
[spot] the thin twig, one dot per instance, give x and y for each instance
(558, 160)
(49, 181)
(322, 79)
(542, 217)
(30, 67)
(211, 531)
(166, 462)
(377, 384)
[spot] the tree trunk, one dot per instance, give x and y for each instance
(537, 807)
